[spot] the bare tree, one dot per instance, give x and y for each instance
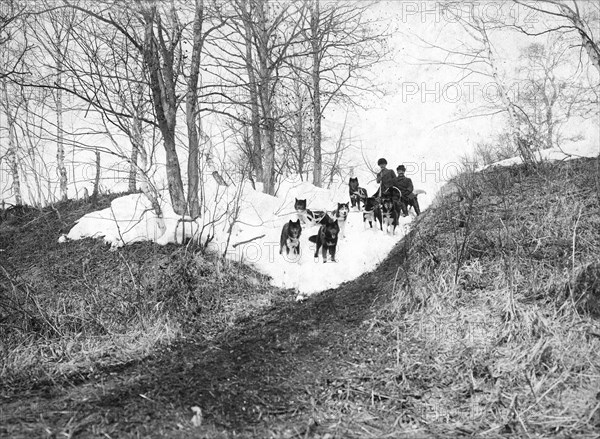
(474, 54)
(36, 141)
(554, 89)
(245, 14)
(157, 32)
(109, 75)
(334, 166)
(162, 36)
(296, 131)
(31, 141)
(61, 22)
(343, 44)
(259, 40)
(12, 51)
(11, 153)
(272, 38)
(163, 32)
(12, 12)
(571, 16)
(53, 30)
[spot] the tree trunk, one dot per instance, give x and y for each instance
(11, 154)
(592, 49)
(136, 136)
(590, 46)
(146, 187)
(300, 133)
(269, 157)
(264, 87)
(13, 163)
(174, 181)
(162, 87)
(191, 105)
(550, 130)
(133, 167)
(60, 145)
(550, 112)
(256, 150)
(139, 166)
(96, 189)
(316, 82)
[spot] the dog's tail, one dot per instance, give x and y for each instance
(313, 238)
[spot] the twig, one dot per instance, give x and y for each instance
(30, 297)
(557, 382)
(592, 413)
(130, 271)
(247, 241)
(574, 238)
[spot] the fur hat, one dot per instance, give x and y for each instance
(401, 168)
(381, 162)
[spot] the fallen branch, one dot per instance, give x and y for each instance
(248, 240)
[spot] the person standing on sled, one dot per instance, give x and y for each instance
(385, 178)
(405, 186)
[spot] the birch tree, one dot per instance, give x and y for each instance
(581, 18)
(474, 55)
(12, 51)
(53, 30)
(11, 153)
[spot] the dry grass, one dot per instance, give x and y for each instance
(69, 309)
(485, 305)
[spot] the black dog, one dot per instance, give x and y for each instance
(390, 214)
(357, 193)
(372, 212)
(290, 238)
(327, 238)
(413, 202)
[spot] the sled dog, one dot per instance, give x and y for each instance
(290, 238)
(326, 239)
(372, 212)
(357, 193)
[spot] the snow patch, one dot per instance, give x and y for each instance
(254, 236)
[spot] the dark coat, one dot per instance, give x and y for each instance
(386, 178)
(405, 185)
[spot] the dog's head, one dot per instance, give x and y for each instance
(300, 204)
(330, 232)
(371, 203)
(294, 229)
(387, 205)
(353, 183)
(342, 211)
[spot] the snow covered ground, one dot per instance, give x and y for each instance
(253, 236)
(570, 152)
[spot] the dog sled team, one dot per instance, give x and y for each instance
(391, 200)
